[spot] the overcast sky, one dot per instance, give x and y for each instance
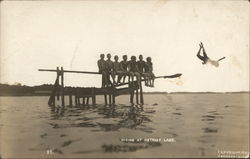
(46, 34)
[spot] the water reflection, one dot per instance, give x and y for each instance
(122, 116)
(210, 118)
(128, 148)
(103, 118)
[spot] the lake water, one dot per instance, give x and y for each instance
(168, 125)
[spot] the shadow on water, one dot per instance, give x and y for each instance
(104, 118)
(210, 118)
(128, 148)
(110, 148)
(121, 116)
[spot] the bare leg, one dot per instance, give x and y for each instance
(198, 54)
(132, 77)
(113, 77)
(153, 79)
(104, 79)
(204, 52)
(119, 78)
(138, 77)
(124, 77)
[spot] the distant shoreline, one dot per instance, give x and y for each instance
(195, 92)
(46, 89)
(146, 93)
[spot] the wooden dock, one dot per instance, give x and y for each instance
(81, 95)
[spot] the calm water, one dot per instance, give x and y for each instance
(168, 125)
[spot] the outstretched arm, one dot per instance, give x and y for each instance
(221, 59)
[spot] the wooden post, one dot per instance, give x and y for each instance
(141, 93)
(113, 95)
(76, 96)
(51, 101)
(109, 97)
(105, 98)
(87, 100)
(58, 75)
(70, 97)
(94, 100)
(131, 94)
(83, 101)
(93, 95)
(54, 101)
(136, 92)
(62, 87)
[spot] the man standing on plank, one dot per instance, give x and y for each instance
(109, 68)
(102, 69)
(149, 72)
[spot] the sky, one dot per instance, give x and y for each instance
(72, 34)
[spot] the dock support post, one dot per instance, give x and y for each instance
(76, 96)
(58, 75)
(70, 97)
(78, 101)
(93, 96)
(131, 94)
(94, 100)
(113, 95)
(105, 98)
(83, 101)
(52, 99)
(136, 93)
(109, 97)
(141, 93)
(62, 87)
(87, 101)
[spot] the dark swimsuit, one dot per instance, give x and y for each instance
(141, 66)
(133, 67)
(204, 58)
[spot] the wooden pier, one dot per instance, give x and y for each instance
(82, 95)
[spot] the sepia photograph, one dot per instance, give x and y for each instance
(124, 79)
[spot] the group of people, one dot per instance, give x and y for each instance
(125, 68)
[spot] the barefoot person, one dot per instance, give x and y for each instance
(109, 68)
(117, 70)
(150, 77)
(102, 69)
(205, 59)
(124, 64)
(133, 69)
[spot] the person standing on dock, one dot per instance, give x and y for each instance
(124, 64)
(117, 70)
(149, 72)
(133, 69)
(109, 68)
(102, 69)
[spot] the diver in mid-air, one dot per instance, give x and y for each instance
(205, 59)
